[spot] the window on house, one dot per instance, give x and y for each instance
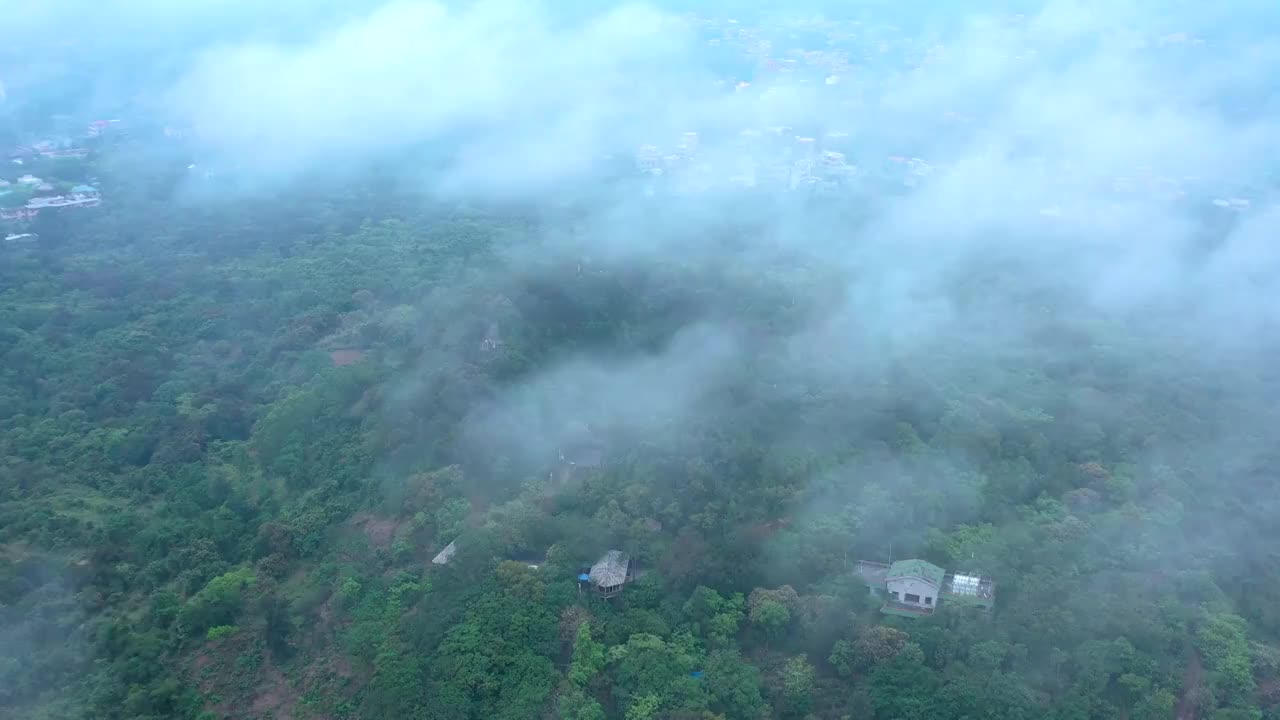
(913, 598)
(894, 594)
(928, 601)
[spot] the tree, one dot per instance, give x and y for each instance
(1223, 641)
(771, 616)
(902, 689)
(716, 617)
(217, 603)
(875, 645)
(588, 657)
(645, 707)
(734, 686)
(797, 686)
(574, 704)
(647, 664)
(988, 655)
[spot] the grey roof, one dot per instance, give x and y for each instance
(446, 554)
(925, 571)
(611, 569)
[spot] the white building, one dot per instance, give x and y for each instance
(688, 144)
(648, 158)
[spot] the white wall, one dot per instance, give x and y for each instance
(903, 586)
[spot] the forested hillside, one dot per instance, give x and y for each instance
(235, 435)
(511, 360)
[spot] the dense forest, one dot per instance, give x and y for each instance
(236, 434)
(391, 380)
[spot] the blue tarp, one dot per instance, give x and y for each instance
(583, 577)
(696, 674)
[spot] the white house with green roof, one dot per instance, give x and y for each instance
(912, 588)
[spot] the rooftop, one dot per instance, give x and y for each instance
(446, 554)
(972, 587)
(610, 570)
(926, 571)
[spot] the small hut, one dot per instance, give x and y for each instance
(610, 573)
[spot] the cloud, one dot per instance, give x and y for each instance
(496, 88)
(1075, 149)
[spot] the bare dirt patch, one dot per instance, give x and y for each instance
(1192, 680)
(345, 357)
(380, 531)
(275, 695)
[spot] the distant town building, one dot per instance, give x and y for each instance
(492, 341)
(98, 128)
(834, 164)
(30, 180)
(688, 146)
(63, 201)
(648, 158)
(912, 588)
(1237, 204)
(802, 174)
(20, 214)
(21, 238)
(66, 154)
(919, 167)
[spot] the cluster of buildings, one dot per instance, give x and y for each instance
(64, 147)
(775, 158)
(79, 196)
(783, 159)
(909, 588)
(845, 64)
(25, 198)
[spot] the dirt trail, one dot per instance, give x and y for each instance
(1192, 679)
